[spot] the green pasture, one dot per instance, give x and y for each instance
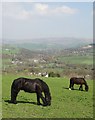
(77, 59)
(10, 51)
(65, 103)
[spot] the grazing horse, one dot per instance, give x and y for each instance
(32, 86)
(78, 81)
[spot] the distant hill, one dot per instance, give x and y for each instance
(49, 43)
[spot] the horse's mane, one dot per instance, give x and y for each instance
(45, 86)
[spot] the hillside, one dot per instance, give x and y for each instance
(66, 62)
(49, 43)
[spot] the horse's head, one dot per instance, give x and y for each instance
(86, 88)
(48, 99)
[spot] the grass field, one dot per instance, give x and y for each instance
(65, 103)
(10, 50)
(78, 59)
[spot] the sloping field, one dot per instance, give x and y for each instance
(65, 103)
(88, 60)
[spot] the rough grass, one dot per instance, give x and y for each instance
(10, 51)
(78, 59)
(65, 103)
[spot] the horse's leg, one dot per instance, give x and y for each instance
(39, 95)
(86, 86)
(81, 88)
(14, 95)
(43, 99)
(72, 86)
(38, 99)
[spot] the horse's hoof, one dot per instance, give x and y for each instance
(49, 104)
(39, 104)
(69, 88)
(15, 102)
(45, 104)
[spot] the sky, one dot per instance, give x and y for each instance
(28, 20)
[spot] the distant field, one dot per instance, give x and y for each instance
(10, 51)
(33, 46)
(77, 59)
(65, 103)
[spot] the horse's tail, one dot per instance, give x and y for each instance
(17, 83)
(15, 88)
(13, 92)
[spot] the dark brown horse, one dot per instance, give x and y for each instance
(32, 86)
(78, 81)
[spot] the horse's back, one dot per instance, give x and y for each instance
(29, 85)
(76, 80)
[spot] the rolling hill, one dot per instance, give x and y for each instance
(49, 43)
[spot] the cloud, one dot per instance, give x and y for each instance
(65, 10)
(45, 9)
(41, 9)
(18, 10)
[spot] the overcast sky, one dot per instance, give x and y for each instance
(24, 20)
